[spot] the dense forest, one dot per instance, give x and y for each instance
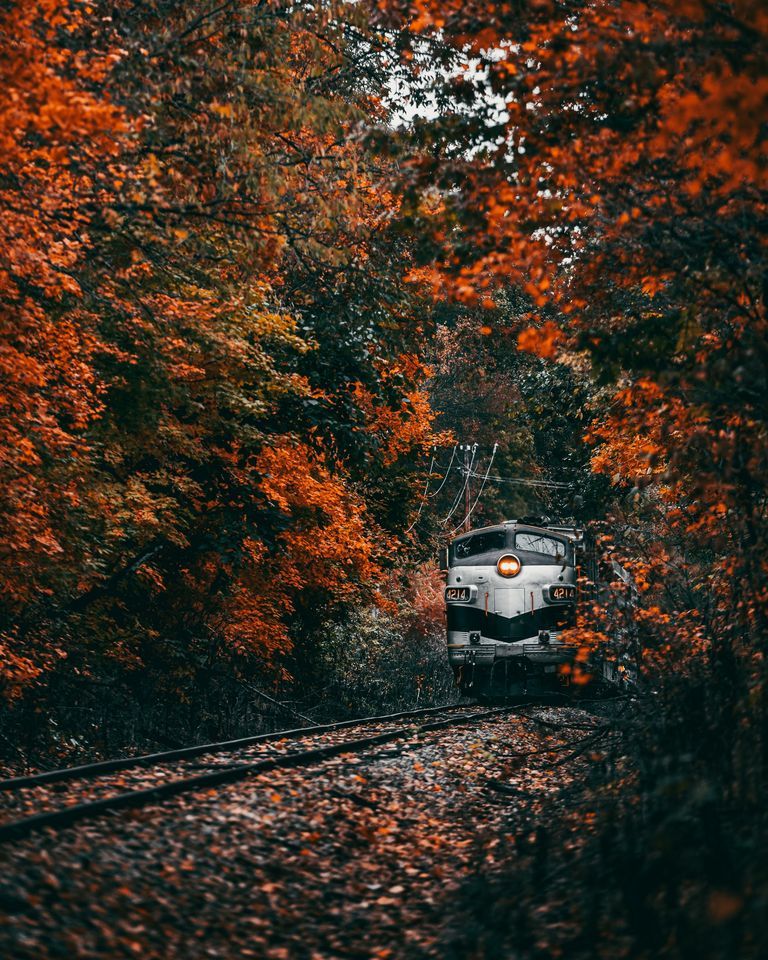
(266, 268)
(216, 398)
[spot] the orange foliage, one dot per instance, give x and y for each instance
(699, 113)
(52, 129)
(329, 548)
(332, 542)
(180, 193)
(409, 426)
(541, 340)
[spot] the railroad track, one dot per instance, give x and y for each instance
(231, 772)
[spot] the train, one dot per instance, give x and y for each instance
(511, 589)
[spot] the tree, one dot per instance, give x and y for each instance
(622, 185)
(609, 159)
(204, 347)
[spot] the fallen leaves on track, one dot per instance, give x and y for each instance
(364, 855)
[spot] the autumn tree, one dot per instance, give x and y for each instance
(609, 158)
(621, 182)
(531, 409)
(203, 348)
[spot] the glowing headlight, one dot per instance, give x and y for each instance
(508, 565)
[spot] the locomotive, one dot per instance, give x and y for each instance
(511, 589)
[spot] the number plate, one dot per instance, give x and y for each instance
(561, 593)
(458, 594)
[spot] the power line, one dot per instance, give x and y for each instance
(467, 473)
(526, 481)
(426, 495)
(480, 492)
(447, 471)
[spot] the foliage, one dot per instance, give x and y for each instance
(534, 410)
(608, 158)
(220, 389)
(202, 349)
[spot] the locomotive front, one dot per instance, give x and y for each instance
(510, 591)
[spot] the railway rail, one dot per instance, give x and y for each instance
(118, 764)
(63, 816)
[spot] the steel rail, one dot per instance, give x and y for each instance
(66, 816)
(87, 770)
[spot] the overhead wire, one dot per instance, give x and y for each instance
(526, 481)
(480, 492)
(467, 473)
(447, 471)
(470, 473)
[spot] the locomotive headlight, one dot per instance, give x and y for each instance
(508, 565)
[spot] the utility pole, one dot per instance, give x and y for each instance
(467, 498)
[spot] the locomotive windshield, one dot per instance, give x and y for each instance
(538, 543)
(479, 543)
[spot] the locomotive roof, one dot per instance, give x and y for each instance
(567, 531)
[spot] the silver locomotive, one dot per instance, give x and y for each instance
(510, 591)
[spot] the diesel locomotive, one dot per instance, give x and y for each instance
(510, 591)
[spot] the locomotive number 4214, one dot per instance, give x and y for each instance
(562, 593)
(461, 594)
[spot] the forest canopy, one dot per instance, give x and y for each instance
(214, 396)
